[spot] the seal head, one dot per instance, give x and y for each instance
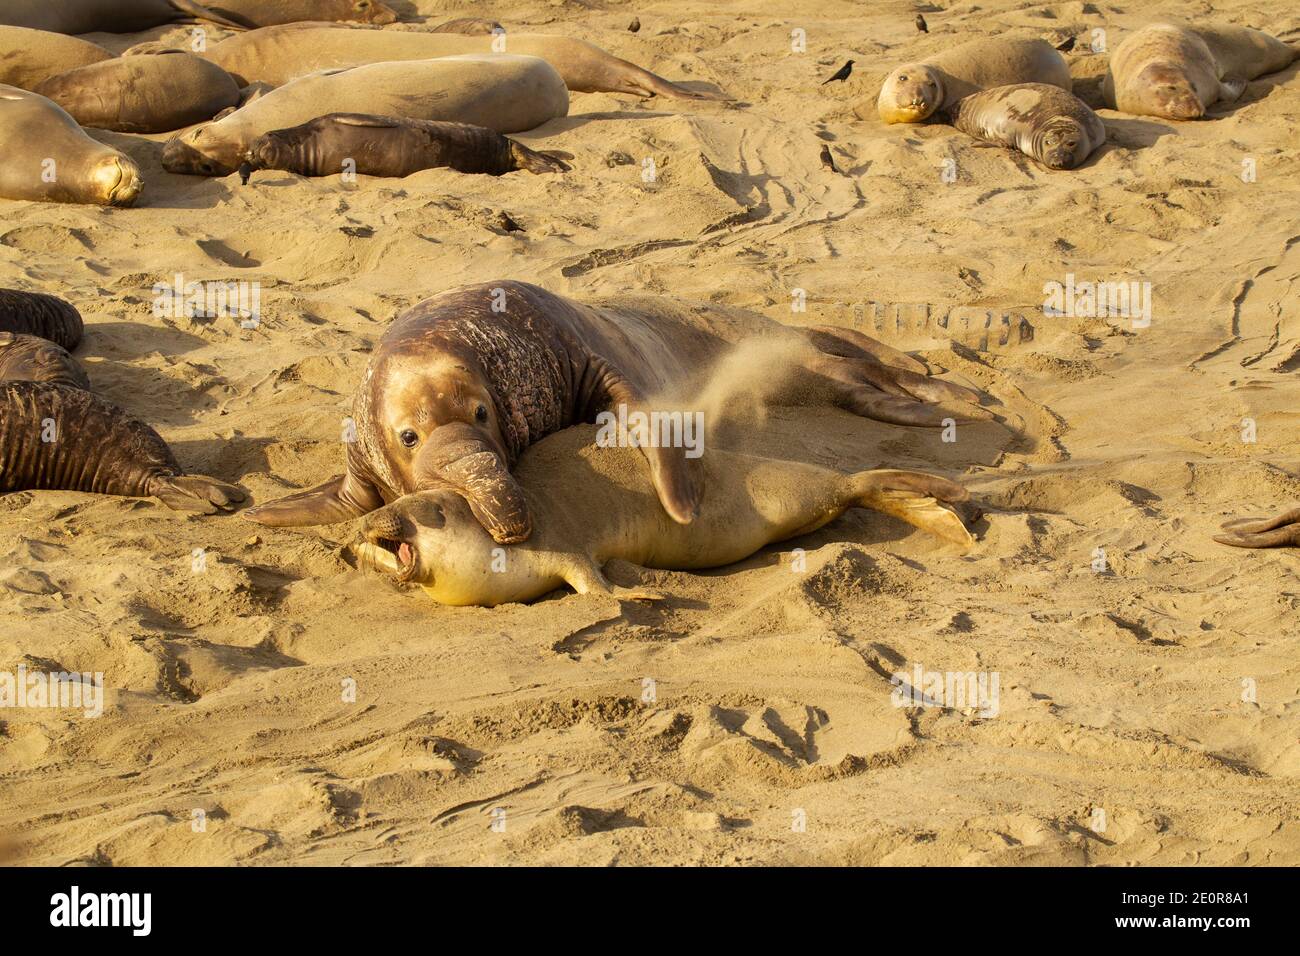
(910, 94)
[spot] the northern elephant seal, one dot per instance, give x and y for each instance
(280, 54)
(104, 16)
(915, 91)
(596, 504)
(1044, 122)
(1178, 71)
(267, 13)
(1282, 531)
(157, 93)
(392, 146)
(49, 158)
(59, 438)
(468, 25)
(29, 56)
(504, 93)
(460, 384)
(28, 358)
(46, 316)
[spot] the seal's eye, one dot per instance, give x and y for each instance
(408, 438)
(480, 414)
(902, 78)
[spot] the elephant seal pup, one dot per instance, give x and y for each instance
(27, 358)
(46, 316)
(502, 92)
(460, 384)
(49, 158)
(29, 56)
(915, 91)
(278, 55)
(1044, 122)
(468, 25)
(158, 93)
(1177, 72)
(595, 504)
(392, 146)
(59, 438)
(104, 16)
(1282, 531)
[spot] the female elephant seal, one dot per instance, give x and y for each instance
(468, 25)
(460, 384)
(27, 358)
(504, 93)
(157, 93)
(104, 16)
(279, 55)
(392, 146)
(915, 91)
(1044, 122)
(267, 13)
(595, 504)
(35, 313)
(1282, 531)
(49, 158)
(59, 438)
(29, 56)
(1177, 71)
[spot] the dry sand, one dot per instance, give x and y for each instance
(1121, 736)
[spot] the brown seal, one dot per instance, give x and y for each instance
(1042, 121)
(269, 13)
(35, 313)
(28, 358)
(106, 16)
(29, 56)
(392, 146)
(158, 93)
(60, 438)
(1279, 532)
(460, 384)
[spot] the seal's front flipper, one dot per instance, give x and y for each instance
(1231, 90)
(342, 498)
(585, 577)
(675, 483)
(535, 162)
(1279, 532)
(198, 493)
(916, 498)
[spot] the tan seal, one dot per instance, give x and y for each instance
(29, 56)
(915, 91)
(266, 13)
(1044, 122)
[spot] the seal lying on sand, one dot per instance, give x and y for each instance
(35, 313)
(48, 157)
(266, 13)
(595, 504)
(106, 16)
(157, 93)
(1178, 71)
(915, 91)
(1044, 122)
(392, 146)
(29, 56)
(502, 92)
(28, 358)
(59, 438)
(469, 26)
(460, 384)
(278, 55)
(1282, 531)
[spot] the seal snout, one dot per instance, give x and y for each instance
(120, 180)
(385, 532)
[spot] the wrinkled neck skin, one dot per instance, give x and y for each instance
(1034, 142)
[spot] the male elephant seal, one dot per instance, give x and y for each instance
(48, 157)
(1279, 532)
(460, 384)
(1177, 71)
(29, 56)
(1044, 122)
(595, 504)
(46, 316)
(392, 146)
(59, 438)
(267, 13)
(504, 93)
(104, 16)
(27, 358)
(915, 91)
(278, 55)
(158, 93)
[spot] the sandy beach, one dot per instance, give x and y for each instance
(269, 703)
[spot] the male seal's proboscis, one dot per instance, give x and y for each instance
(460, 384)
(594, 504)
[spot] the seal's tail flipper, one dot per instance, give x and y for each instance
(916, 498)
(647, 84)
(197, 11)
(536, 162)
(339, 499)
(198, 493)
(1276, 532)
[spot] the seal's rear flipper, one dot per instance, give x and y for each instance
(586, 577)
(915, 498)
(1276, 532)
(342, 498)
(198, 493)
